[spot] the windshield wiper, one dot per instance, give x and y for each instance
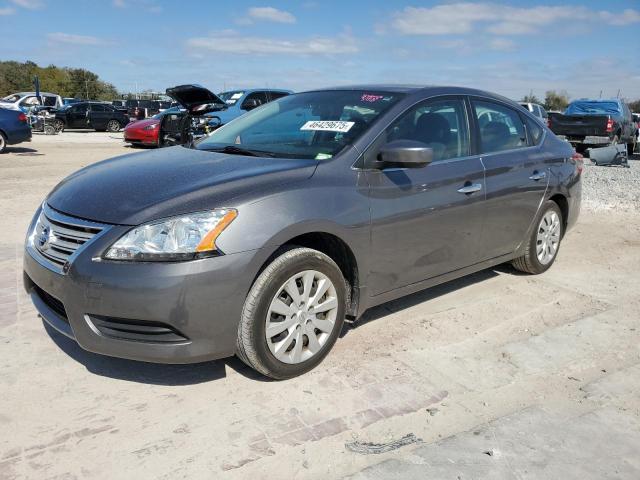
(235, 150)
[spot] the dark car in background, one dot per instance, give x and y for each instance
(595, 123)
(99, 116)
(14, 128)
(264, 236)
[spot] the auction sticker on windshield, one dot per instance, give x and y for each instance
(328, 126)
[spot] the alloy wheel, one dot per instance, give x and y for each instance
(301, 317)
(548, 238)
(113, 126)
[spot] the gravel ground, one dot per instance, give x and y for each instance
(611, 188)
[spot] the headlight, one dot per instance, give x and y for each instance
(153, 126)
(173, 239)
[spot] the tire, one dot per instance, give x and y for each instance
(59, 125)
(113, 126)
(3, 143)
(532, 261)
(277, 357)
(50, 130)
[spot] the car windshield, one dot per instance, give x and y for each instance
(306, 125)
(159, 115)
(230, 98)
(593, 108)
(11, 98)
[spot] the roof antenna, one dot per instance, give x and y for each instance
(618, 95)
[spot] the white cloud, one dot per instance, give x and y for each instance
(147, 5)
(7, 11)
(72, 39)
(502, 44)
(460, 18)
(230, 42)
(271, 14)
(29, 4)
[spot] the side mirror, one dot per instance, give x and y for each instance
(404, 154)
(250, 104)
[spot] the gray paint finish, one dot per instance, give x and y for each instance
(408, 229)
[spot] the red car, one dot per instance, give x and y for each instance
(145, 132)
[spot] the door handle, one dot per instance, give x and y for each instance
(470, 188)
(538, 176)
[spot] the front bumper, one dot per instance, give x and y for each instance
(195, 306)
(140, 137)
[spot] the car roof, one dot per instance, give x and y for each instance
(251, 90)
(422, 90)
(33, 93)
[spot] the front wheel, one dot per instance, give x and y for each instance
(3, 142)
(544, 242)
(293, 314)
(59, 125)
(113, 126)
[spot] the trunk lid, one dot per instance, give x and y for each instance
(196, 99)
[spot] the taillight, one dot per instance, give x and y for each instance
(579, 159)
(22, 117)
(609, 126)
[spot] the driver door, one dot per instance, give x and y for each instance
(427, 221)
(77, 116)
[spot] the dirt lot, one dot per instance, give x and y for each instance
(500, 375)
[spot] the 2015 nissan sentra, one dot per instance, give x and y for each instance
(262, 238)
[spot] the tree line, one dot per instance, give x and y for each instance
(558, 101)
(66, 82)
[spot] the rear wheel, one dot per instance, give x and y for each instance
(113, 126)
(293, 314)
(3, 143)
(59, 125)
(544, 242)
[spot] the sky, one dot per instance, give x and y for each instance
(512, 47)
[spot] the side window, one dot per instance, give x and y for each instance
(440, 124)
(276, 95)
(261, 98)
(29, 102)
(80, 108)
(501, 128)
(534, 131)
(96, 107)
(544, 113)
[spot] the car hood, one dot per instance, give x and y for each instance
(141, 187)
(196, 99)
(142, 123)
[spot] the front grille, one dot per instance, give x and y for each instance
(57, 237)
(52, 302)
(136, 330)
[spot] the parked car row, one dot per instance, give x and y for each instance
(181, 125)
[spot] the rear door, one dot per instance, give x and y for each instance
(426, 221)
(517, 173)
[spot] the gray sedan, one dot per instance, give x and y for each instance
(261, 239)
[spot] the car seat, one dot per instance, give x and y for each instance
(495, 136)
(434, 130)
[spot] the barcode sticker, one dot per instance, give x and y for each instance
(328, 126)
